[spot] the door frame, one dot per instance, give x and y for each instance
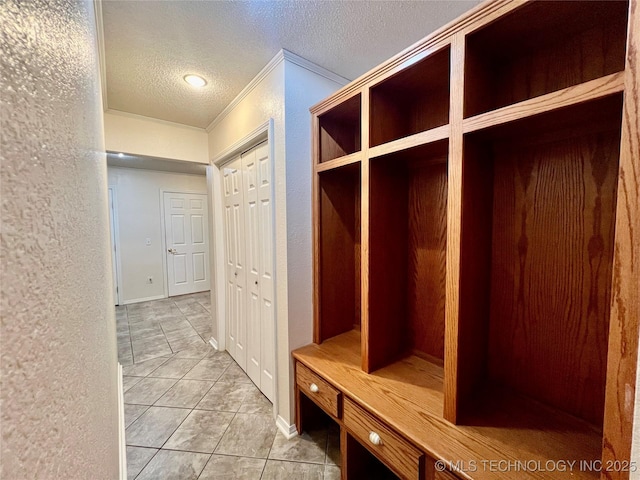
(163, 230)
(263, 132)
(115, 239)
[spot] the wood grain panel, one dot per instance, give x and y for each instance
(407, 396)
(426, 266)
(553, 227)
(398, 454)
(475, 268)
(414, 100)
(454, 230)
(339, 240)
(544, 47)
(624, 332)
(327, 397)
(339, 130)
(387, 265)
(407, 254)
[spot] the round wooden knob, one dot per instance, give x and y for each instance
(314, 388)
(375, 438)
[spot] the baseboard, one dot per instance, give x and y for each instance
(121, 434)
(213, 342)
(289, 431)
(140, 300)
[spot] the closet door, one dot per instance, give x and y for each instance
(256, 166)
(236, 281)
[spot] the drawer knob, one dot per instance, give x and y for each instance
(314, 388)
(375, 438)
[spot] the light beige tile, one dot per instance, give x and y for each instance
(279, 470)
(226, 397)
(174, 368)
(137, 459)
(132, 413)
(185, 394)
(142, 369)
(332, 472)
(173, 465)
(206, 370)
(223, 467)
(186, 342)
(248, 435)
(155, 426)
(148, 391)
(200, 432)
(235, 374)
(310, 447)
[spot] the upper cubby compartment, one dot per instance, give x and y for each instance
(541, 48)
(412, 101)
(338, 252)
(340, 130)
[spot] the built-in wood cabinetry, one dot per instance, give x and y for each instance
(477, 249)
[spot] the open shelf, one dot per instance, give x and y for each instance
(408, 234)
(504, 425)
(340, 129)
(412, 101)
(339, 251)
(543, 47)
(538, 241)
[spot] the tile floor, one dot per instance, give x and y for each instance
(192, 413)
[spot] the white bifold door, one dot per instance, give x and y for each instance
(187, 240)
(248, 217)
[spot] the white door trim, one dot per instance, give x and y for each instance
(263, 132)
(115, 238)
(165, 269)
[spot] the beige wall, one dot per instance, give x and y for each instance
(58, 340)
(145, 136)
(285, 95)
(139, 210)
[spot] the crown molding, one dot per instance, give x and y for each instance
(280, 57)
(268, 68)
(312, 67)
(154, 120)
(102, 59)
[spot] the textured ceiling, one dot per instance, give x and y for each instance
(151, 45)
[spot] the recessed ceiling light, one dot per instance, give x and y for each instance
(121, 154)
(195, 80)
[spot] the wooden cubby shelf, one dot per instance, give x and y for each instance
(542, 47)
(411, 101)
(338, 251)
(475, 266)
(542, 221)
(339, 130)
(407, 250)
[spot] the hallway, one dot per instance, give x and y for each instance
(191, 412)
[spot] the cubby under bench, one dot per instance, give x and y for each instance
(395, 413)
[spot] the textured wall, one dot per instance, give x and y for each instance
(58, 341)
(154, 138)
(139, 210)
(285, 94)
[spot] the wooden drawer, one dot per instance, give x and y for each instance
(323, 394)
(399, 455)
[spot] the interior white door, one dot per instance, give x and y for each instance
(249, 254)
(114, 263)
(236, 297)
(259, 246)
(187, 240)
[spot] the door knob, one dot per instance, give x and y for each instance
(172, 251)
